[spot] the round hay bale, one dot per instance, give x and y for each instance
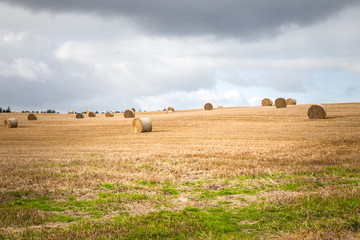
(71, 112)
(280, 103)
(31, 117)
(171, 109)
(208, 106)
(133, 109)
(109, 114)
(220, 107)
(129, 113)
(290, 101)
(11, 123)
(266, 102)
(140, 125)
(79, 115)
(91, 114)
(316, 111)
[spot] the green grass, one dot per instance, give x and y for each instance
(258, 220)
(338, 211)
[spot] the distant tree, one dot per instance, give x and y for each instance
(7, 110)
(0, 109)
(96, 112)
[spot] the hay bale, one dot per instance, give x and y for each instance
(109, 114)
(220, 107)
(133, 109)
(129, 113)
(91, 114)
(11, 123)
(79, 115)
(140, 125)
(280, 103)
(316, 111)
(290, 101)
(208, 106)
(31, 117)
(71, 112)
(266, 102)
(171, 109)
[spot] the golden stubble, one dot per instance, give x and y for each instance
(59, 152)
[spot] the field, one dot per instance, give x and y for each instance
(232, 173)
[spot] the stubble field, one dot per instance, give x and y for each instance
(232, 173)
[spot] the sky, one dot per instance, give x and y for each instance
(152, 54)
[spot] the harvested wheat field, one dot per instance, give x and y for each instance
(239, 173)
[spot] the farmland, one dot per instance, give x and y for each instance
(245, 172)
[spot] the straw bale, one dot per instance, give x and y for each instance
(31, 117)
(91, 114)
(208, 106)
(11, 123)
(79, 115)
(171, 109)
(140, 125)
(71, 112)
(280, 103)
(291, 101)
(109, 114)
(129, 114)
(316, 111)
(266, 102)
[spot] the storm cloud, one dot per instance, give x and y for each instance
(113, 55)
(244, 19)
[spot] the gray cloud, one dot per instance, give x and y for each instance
(245, 19)
(65, 56)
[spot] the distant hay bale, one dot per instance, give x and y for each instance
(87, 112)
(208, 106)
(129, 113)
(140, 125)
(71, 112)
(220, 107)
(31, 117)
(91, 114)
(280, 103)
(171, 109)
(109, 114)
(79, 115)
(133, 109)
(266, 102)
(290, 101)
(316, 111)
(11, 123)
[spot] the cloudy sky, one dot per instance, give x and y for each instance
(151, 54)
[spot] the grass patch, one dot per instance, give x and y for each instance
(62, 218)
(170, 189)
(108, 186)
(257, 220)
